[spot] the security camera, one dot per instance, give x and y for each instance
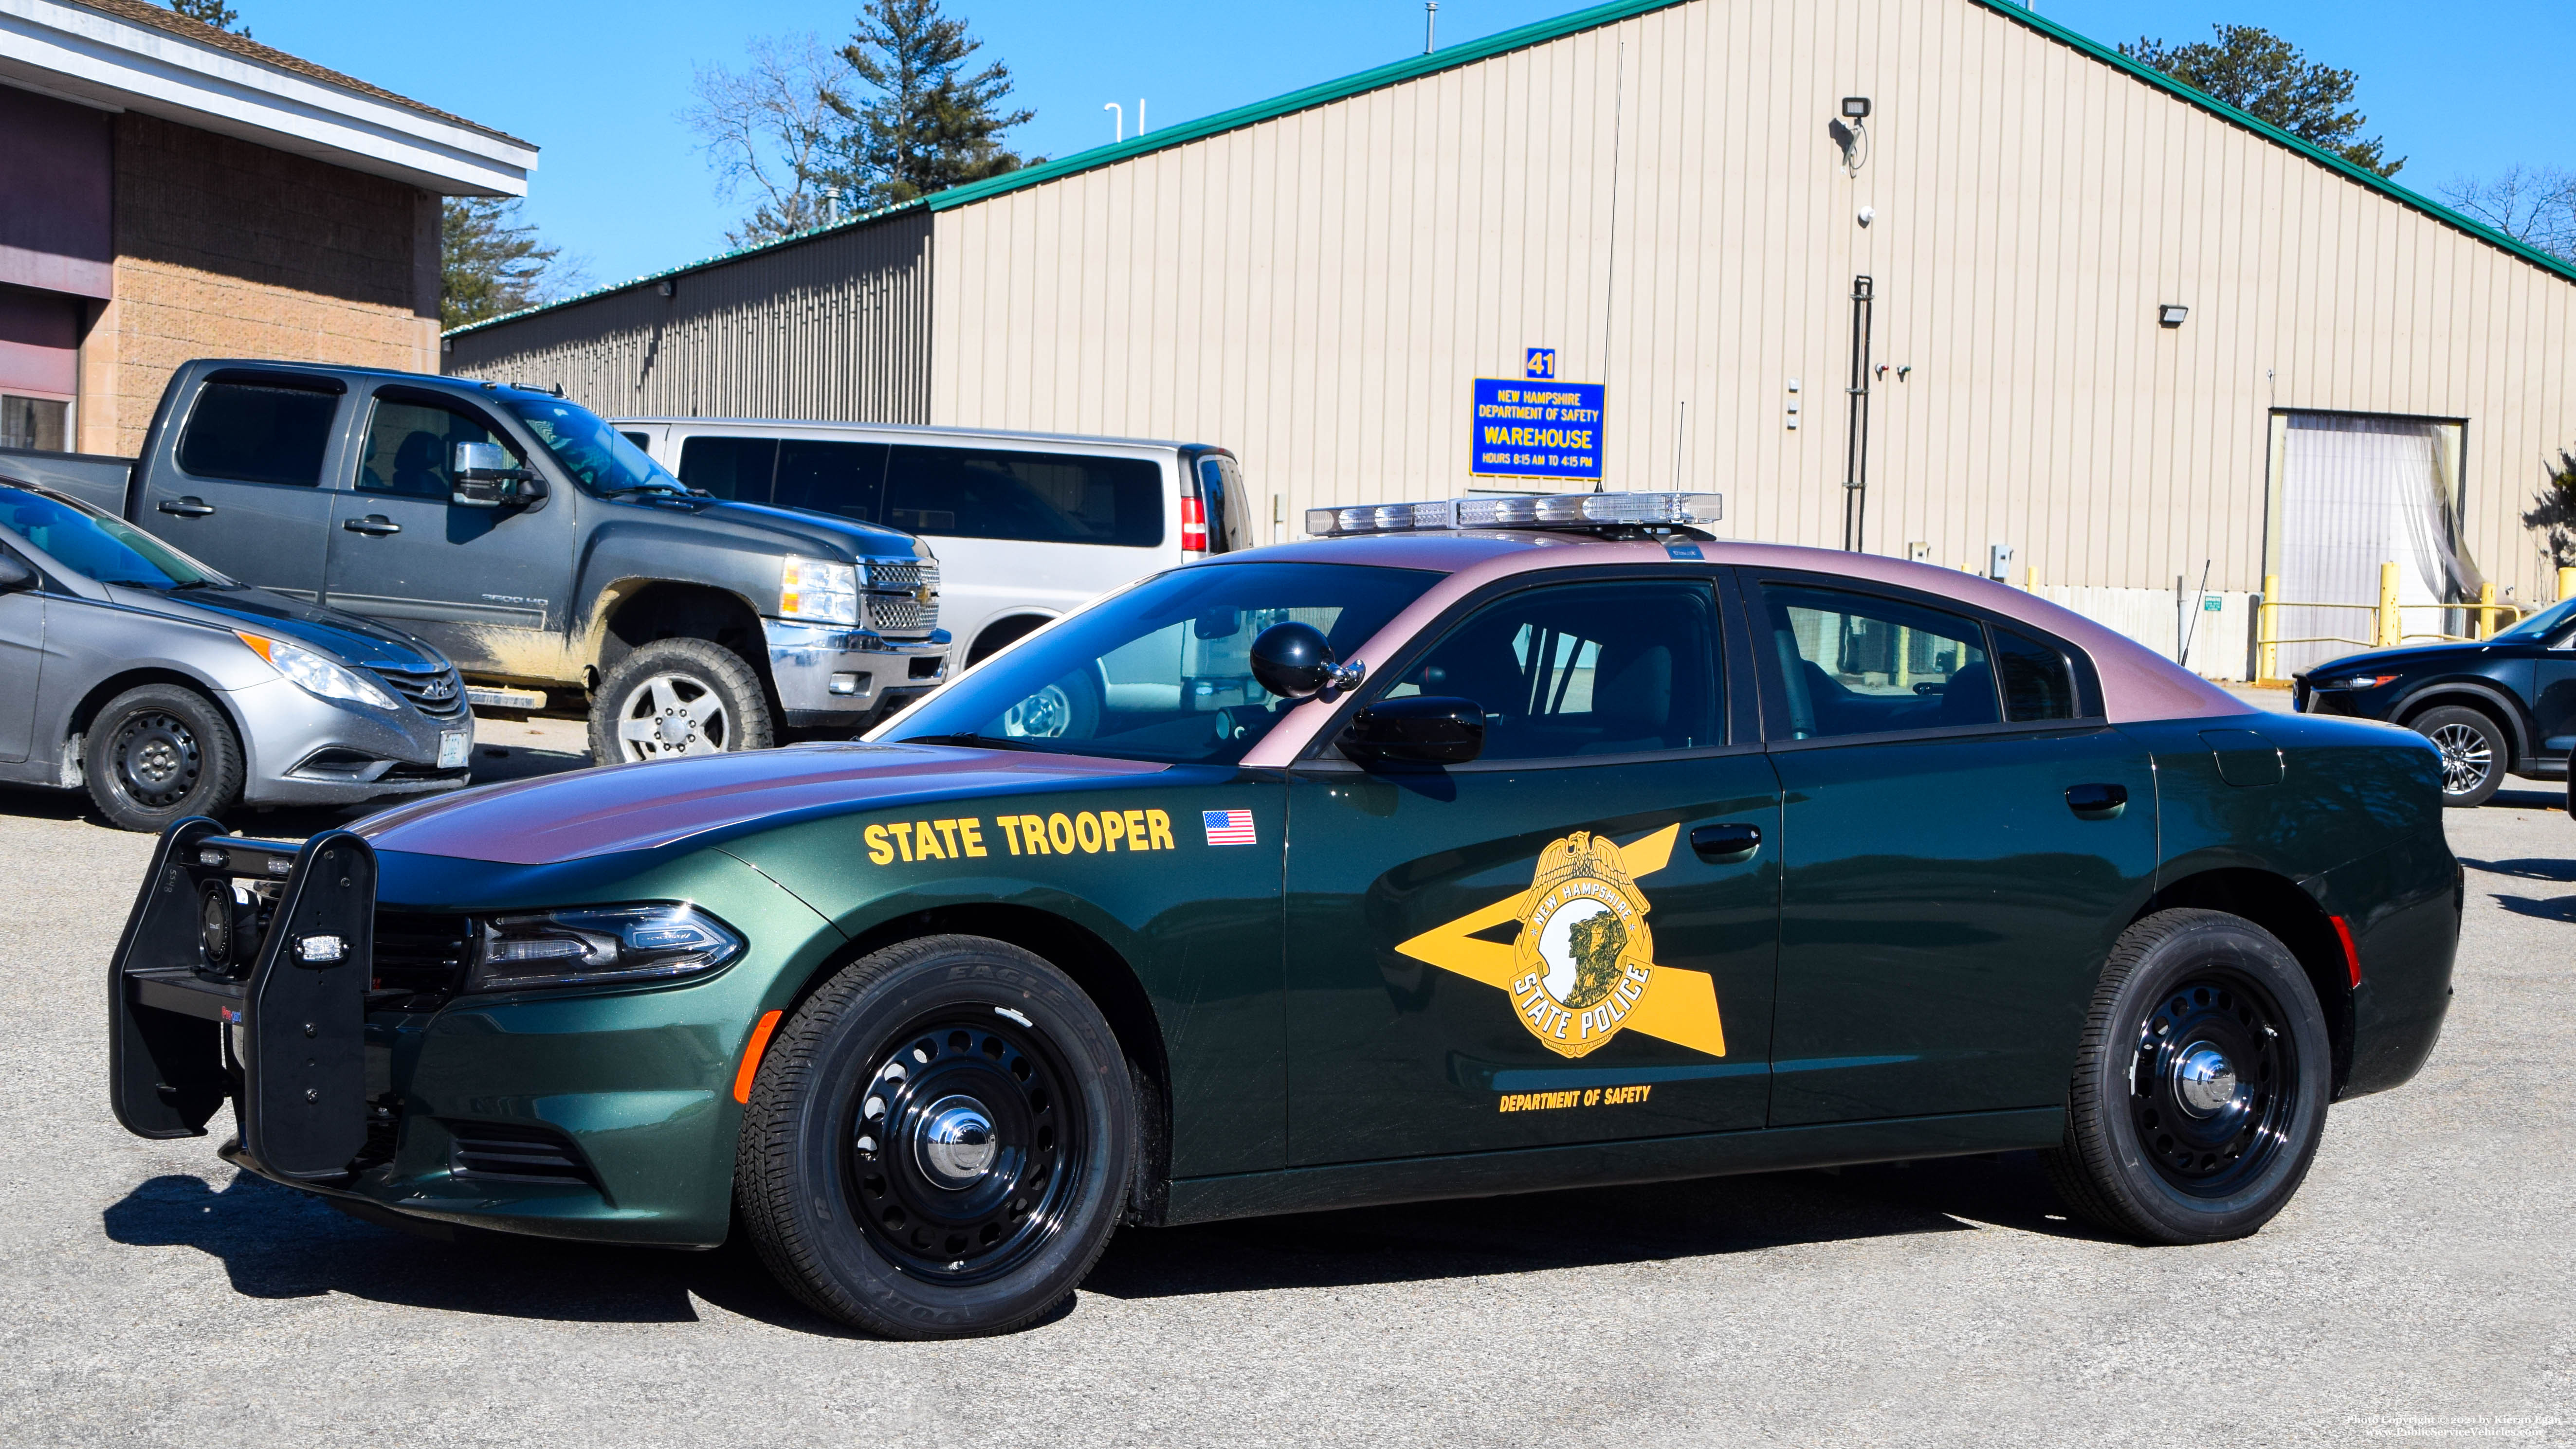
(1868, 214)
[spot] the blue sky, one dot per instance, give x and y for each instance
(598, 83)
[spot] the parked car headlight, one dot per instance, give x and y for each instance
(592, 945)
(2365, 681)
(316, 675)
(817, 588)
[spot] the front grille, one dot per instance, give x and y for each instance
(516, 1151)
(894, 590)
(440, 694)
(420, 959)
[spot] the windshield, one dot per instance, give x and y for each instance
(2543, 625)
(96, 546)
(1162, 671)
(590, 450)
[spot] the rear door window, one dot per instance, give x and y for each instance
(1040, 497)
(2038, 685)
(846, 480)
(1859, 664)
(258, 434)
(734, 468)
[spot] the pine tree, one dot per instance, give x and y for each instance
(212, 12)
(931, 125)
(2267, 77)
(492, 263)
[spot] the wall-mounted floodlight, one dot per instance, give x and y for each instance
(668, 288)
(1856, 107)
(2171, 314)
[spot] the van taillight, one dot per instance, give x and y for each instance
(1193, 525)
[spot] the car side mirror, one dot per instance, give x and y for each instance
(488, 477)
(14, 575)
(1417, 729)
(1295, 661)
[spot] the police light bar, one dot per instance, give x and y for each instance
(1563, 510)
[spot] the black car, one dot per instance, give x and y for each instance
(2499, 706)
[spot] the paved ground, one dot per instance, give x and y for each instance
(2424, 1282)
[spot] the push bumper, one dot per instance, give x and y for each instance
(829, 674)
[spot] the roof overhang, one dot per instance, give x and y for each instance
(96, 59)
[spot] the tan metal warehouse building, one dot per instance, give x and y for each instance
(1665, 192)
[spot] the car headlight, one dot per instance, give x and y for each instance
(592, 945)
(2364, 681)
(817, 588)
(316, 675)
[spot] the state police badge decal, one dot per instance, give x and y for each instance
(1582, 968)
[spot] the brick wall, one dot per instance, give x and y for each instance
(225, 248)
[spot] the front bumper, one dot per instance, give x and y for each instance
(604, 1114)
(831, 674)
(301, 750)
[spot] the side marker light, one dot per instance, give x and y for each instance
(2351, 953)
(751, 1051)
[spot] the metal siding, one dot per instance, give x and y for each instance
(1317, 289)
(835, 329)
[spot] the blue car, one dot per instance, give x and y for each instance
(2495, 707)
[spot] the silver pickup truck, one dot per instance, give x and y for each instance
(547, 555)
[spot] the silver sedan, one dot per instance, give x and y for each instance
(168, 690)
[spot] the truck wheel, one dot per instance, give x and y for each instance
(938, 1142)
(161, 753)
(2474, 753)
(677, 697)
(2200, 1083)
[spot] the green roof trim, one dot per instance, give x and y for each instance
(1521, 38)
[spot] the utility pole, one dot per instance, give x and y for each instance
(1430, 23)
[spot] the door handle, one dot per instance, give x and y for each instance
(1726, 844)
(375, 525)
(2097, 802)
(190, 507)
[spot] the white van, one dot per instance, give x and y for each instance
(1027, 526)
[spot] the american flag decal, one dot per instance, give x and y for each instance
(1228, 827)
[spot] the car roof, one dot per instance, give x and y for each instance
(927, 430)
(2138, 684)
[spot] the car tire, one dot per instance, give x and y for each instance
(159, 754)
(2475, 754)
(2200, 1085)
(860, 1174)
(676, 697)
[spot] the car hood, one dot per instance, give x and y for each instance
(345, 637)
(2385, 661)
(645, 806)
(816, 533)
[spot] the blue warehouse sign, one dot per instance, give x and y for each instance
(1525, 428)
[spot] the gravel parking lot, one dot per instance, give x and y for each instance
(2422, 1285)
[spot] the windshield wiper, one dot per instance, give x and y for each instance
(974, 741)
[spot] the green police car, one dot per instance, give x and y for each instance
(1470, 847)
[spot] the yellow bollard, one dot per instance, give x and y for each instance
(2482, 623)
(2033, 579)
(2567, 584)
(2267, 655)
(2389, 633)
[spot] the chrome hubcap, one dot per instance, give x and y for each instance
(955, 1143)
(673, 714)
(2204, 1080)
(2465, 757)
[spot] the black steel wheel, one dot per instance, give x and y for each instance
(161, 753)
(2474, 753)
(962, 1157)
(2200, 1085)
(939, 1141)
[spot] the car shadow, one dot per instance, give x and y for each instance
(2545, 798)
(1584, 1228)
(2560, 908)
(273, 1242)
(2529, 867)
